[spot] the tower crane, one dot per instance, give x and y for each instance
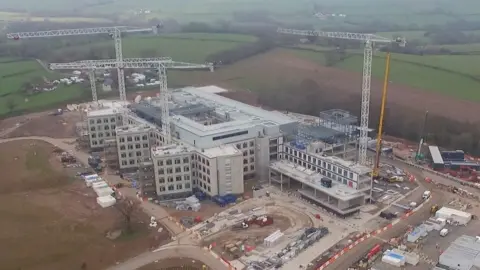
(91, 72)
(369, 40)
(113, 31)
(162, 67)
(375, 172)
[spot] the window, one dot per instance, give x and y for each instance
(130, 146)
(208, 188)
(244, 145)
(245, 153)
(178, 169)
(170, 179)
(123, 155)
(161, 171)
(100, 134)
(177, 161)
(245, 169)
(161, 180)
(94, 142)
(179, 186)
(251, 144)
(252, 167)
(208, 171)
(94, 135)
(92, 129)
(145, 145)
(112, 119)
(186, 177)
(144, 137)
(129, 138)
(131, 161)
(106, 127)
(185, 160)
(230, 135)
(139, 154)
(187, 185)
(137, 138)
(252, 152)
(239, 146)
(252, 159)
(178, 178)
(105, 120)
(208, 163)
(169, 162)
(92, 121)
(186, 169)
(245, 161)
(122, 139)
(122, 147)
(171, 187)
(169, 170)
(124, 162)
(99, 121)
(160, 163)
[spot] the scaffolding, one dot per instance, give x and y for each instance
(340, 120)
(146, 179)
(111, 154)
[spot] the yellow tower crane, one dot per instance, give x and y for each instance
(375, 172)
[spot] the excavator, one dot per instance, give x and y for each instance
(376, 171)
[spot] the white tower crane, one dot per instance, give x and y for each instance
(114, 31)
(369, 40)
(162, 67)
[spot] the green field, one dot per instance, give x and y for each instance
(453, 75)
(15, 74)
(191, 47)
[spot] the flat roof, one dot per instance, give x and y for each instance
(103, 112)
(451, 211)
(313, 179)
(435, 153)
(212, 89)
(222, 150)
(105, 107)
(463, 252)
(132, 128)
(173, 149)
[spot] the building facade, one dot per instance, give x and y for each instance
(133, 144)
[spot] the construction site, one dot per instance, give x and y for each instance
(190, 155)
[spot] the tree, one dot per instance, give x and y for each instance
(11, 104)
(127, 208)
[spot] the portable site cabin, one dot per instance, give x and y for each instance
(106, 201)
(99, 184)
(459, 216)
(90, 179)
(105, 191)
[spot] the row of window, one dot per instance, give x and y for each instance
(245, 145)
(131, 146)
(174, 187)
(101, 134)
(105, 127)
(326, 173)
(246, 161)
(137, 154)
(201, 159)
(318, 162)
(252, 168)
(202, 185)
(162, 171)
(129, 162)
(132, 138)
(105, 120)
(178, 178)
(175, 161)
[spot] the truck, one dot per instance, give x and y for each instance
(264, 221)
(426, 194)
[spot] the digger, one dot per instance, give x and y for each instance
(434, 209)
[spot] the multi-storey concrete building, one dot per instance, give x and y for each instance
(219, 142)
(101, 126)
(133, 143)
(173, 171)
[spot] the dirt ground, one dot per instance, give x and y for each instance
(42, 124)
(174, 264)
(50, 219)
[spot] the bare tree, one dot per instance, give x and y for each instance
(127, 207)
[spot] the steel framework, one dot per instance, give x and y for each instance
(162, 64)
(369, 40)
(114, 31)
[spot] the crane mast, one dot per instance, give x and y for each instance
(162, 64)
(369, 40)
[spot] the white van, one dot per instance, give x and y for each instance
(426, 194)
(443, 232)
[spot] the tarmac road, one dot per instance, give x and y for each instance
(359, 251)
